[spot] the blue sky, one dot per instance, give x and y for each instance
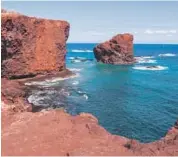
(149, 22)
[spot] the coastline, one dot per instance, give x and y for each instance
(34, 49)
(18, 121)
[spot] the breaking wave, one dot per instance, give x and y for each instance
(75, 69)
(49, 82)
(85, 96)
(35, 99)
(147, 57)
(167, 55)
(77, 50)
(144, 60)
(76, 61)
(153, 68)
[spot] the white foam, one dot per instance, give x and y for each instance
(77, 50)
(48, 82)
(76, 61)
(80, 92)
(88, 51)
(75, 83)
(153, 68)
(167, 55)
(85, 96)
(146, 57)
(63, 91)
(144, 60)
(35, 99)
(75, 69)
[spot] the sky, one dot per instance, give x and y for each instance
(93, 22)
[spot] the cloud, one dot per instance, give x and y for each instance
(173, 31)
(149, 31)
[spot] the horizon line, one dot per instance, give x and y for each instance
(133, 43)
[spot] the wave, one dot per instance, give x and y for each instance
(146, 57)
(64, 92)
(35, 99)
(153, 68)
(75, 83)
(79, 50)
(85, 96)
(76, 61)
(49, 82)
(167, 55)
(73, 58)
(75, 69)
(144, 60)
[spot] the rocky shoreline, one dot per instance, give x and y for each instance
(25, 57)
(56, 132)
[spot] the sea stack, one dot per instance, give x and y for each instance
(32, 46)
(118, 50)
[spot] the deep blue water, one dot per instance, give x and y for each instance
(128, 101)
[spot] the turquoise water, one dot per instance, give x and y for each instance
(135, 101)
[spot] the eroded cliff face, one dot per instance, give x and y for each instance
(32, 46)
(118, 50)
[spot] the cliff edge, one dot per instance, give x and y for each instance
(32, 46)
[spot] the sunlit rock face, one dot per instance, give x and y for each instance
(118, 50)
(32, 46)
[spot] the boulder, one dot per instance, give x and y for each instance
(118, 50)
(32, 46)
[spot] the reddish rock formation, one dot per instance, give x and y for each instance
(55, 132)
(14, 94)
(118, 50)
(32, 46)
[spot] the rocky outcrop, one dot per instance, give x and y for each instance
(166, 146)
(14, 94)
(55, 133)
(118, 50)
(32, 46)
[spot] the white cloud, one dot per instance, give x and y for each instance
(149, 31)
(173, 31)
(161, 31)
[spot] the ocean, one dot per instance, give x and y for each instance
(138, 101)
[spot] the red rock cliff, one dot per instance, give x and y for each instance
(32, 46)
(118, 50)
